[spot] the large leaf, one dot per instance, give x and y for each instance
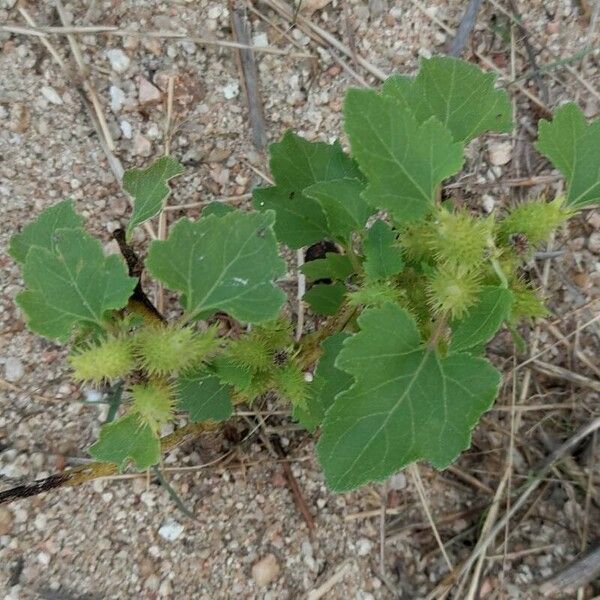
(459, 94)
(404, 161)
(149, 188)
(204, 397)
(482, 320)
(127, 439)
(297, 164)
(223, 263)
(343, 205)
(40, 233)
(383, 258)
(73, 283)
(407, 402)
(573, 146)
(328, 382)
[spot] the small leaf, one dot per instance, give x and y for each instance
(459, 94)
(73, 284)
(383, 257)
(343, 205)
(573, 147)
(297, 164)
(407, 403)
(204, 397)
(482, 321)
(325, 299)
(127, 439)
(327, 383)
(40, 233)
(230, 372)
(404, 161)
(216, 208)
(226, 263)
(333, 266)
(149, 188)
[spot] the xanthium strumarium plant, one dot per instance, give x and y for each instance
(411, 289)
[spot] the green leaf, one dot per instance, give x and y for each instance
(40, 233)
(343, 205)
(404, 161)
(333, 266)
(226, 263)
(216, 208)
(573, 147)
(232, 373)
(127, 439)
(204, 397)
(407, 403)
(324, 298)
(383, 258)
(328, 382)
(297, 164)
(482, 320)
(73, 284)
(459, 94)
(149, 188)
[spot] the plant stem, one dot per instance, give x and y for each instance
(440, 327)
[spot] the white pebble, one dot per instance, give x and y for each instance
(260, 40)
(126, 129)
(231, 90)
(92, 395)
(13, 369)
(119, 61)
(364, 546)
(170, 531)
(148, 93)
(43, 558)
(594, 242)
(51, 95)
(489, 202)
(117, 98)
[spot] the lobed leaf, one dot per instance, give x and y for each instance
(297, 164)
(383, 258)
(204, 397)
(127, 439)
(328, 382)
(41, 232)
(459, 94)
(573, 147)
(482, 320)
(72, 284)
(407, 403)
(223, 263)
(341, 201)
(404, 161)
(149, 189)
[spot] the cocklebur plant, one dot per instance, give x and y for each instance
(407, 294)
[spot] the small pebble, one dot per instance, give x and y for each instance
(117, 98)
(51, 95)
(148, 93)
(126, 129)
(594, 242)
(363, 546)
(170, 530)
(13, 369)
(6, 521)
(231, 90)
(499, 153)
(265, 570)
(119, 61)
(141, 145)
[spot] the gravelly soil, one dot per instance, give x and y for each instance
(107, 539)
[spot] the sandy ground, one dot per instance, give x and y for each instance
(125, 537)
